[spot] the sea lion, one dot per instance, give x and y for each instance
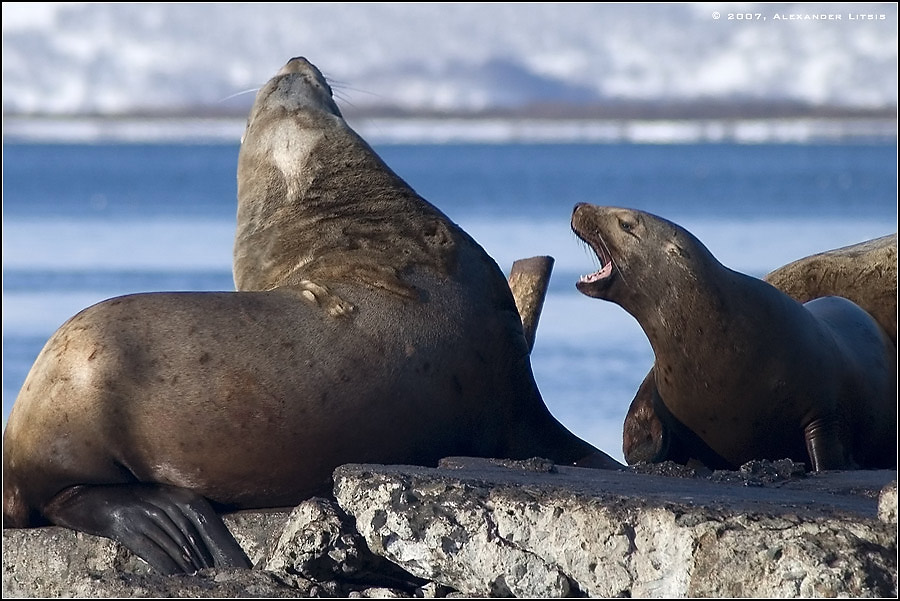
(742, 371)
(377, 332)
(865, 273)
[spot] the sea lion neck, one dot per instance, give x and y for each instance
(337, 213)
(316, 202)
(655, 270)
(668, 305)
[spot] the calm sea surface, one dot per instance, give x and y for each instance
(82, 223)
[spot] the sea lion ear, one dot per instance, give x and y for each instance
(673, 248)
(674, 245)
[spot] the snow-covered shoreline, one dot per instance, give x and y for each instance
(105, 58)
(85, 130)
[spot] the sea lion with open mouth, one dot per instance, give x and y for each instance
(865, 272)
(742, 370)
(368, 328)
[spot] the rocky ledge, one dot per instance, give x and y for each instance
(477, 527)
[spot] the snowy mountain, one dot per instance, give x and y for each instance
(84, 58)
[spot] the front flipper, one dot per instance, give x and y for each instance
(644, 436)
(172, 529)
(823, 444)
(680, 444)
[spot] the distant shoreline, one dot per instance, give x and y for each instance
(467, 129)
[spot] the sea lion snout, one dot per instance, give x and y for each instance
(582, 216)
(588, 223)
(298, 85)
(579, 207)
(299, 64)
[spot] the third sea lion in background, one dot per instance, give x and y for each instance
(866, 273)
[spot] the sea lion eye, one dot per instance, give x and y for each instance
(626, 225)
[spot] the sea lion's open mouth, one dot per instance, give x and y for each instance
(601, 274)
(595, 284)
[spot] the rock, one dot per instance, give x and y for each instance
(314, 545)
(58, 562)
(866, 273)
(887, 504)
(477, 527)
(312, 551)
(487, 530)
(253, 529)
(319, 545)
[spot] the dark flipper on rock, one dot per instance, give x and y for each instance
(172, 529)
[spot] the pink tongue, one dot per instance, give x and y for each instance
(598, 275)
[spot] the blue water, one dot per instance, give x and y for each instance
(82, 223)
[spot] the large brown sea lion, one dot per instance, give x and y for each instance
(743, 371)
(377, 331)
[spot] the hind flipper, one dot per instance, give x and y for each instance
(172, 529)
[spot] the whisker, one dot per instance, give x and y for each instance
(340, 85)
(342, 97)
(338, 88)
(235, 95)
(589, 253)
